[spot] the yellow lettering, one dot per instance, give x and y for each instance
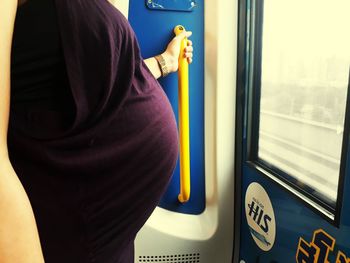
(318, 250)
(341, 258)
(325, 243)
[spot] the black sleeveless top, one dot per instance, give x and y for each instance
(92, 135)
(38, 74)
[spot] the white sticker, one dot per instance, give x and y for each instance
(260, 216)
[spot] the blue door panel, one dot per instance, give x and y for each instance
(294, 220)
(154, 29)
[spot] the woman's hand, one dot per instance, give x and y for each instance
(171, 55)
(172, 52)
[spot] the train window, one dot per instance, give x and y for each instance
(301, 71)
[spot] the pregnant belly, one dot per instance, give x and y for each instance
(144, 131)
(139, 156)
(104, 191)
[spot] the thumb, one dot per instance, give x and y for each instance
(184, 34)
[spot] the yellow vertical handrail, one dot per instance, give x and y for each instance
(184, 126)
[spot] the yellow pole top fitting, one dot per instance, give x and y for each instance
(179, 29)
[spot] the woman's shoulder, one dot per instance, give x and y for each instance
(95, 13)
(106, 13)
(95, 21)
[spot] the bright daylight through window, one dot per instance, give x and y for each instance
(304, 81)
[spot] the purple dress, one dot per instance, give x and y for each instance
(92, 135)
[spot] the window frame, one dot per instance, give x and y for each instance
(254, 64)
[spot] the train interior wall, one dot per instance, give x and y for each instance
(207, 237)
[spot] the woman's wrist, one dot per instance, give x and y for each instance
(163, 65)
(170, 62)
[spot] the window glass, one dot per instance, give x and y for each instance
(304, 80)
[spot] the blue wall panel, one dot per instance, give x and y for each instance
(154, 29)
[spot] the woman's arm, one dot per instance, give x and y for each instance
(171, 55)
(19, 240)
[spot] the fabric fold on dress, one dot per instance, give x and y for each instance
(100, 54)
